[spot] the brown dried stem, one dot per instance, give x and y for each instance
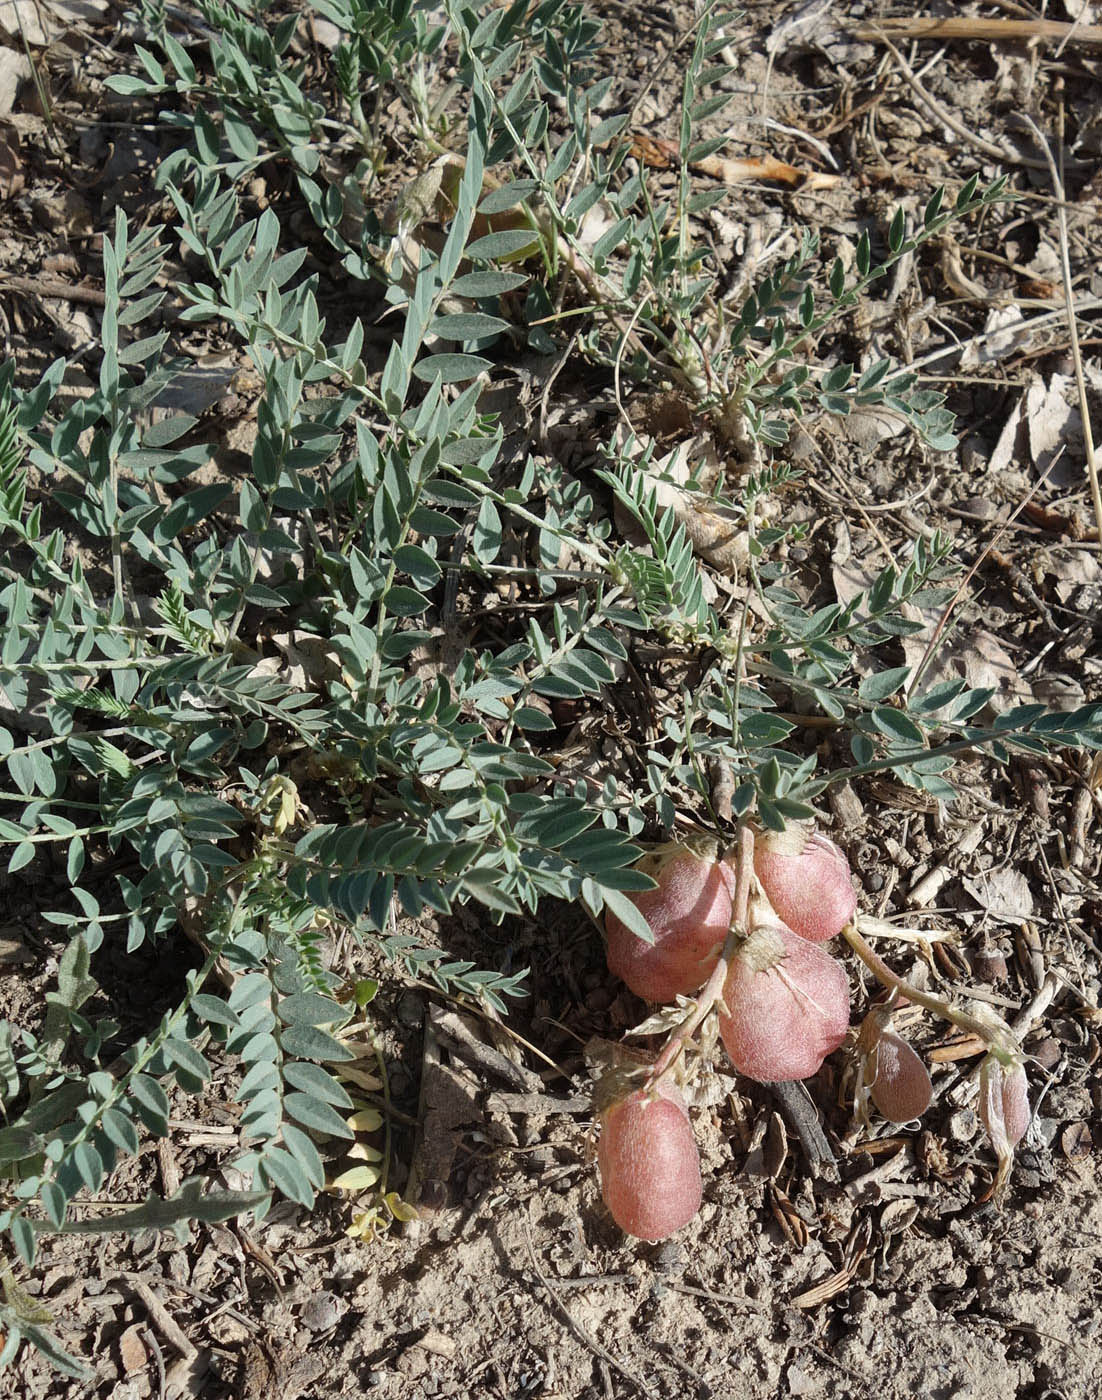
(996, 1036)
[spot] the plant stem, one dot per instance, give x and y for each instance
(712, 991)
(998, 1037)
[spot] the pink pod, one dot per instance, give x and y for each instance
(895, 1078)
(785, 1006)
(1003, 1108)
(806, 879)
(689, 914)
(1004, 1102)
(649, 1164)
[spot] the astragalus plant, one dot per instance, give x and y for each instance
(405, 761)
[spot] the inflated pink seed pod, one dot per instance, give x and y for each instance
(806, 879)
(1015, 1105)
(689, 914)
(786, 1006)
(1004, 1108)
(892, 1074)
(649, 1163)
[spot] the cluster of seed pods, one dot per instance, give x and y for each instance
(784, 1006)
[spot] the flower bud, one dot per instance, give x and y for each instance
(806, 879)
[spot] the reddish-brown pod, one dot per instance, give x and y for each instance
(649, 1163)
(1004, 1102)
(892, 1074)
(689, 914)
(786, 1006)
(1015, 1104)
(1004, 1108)
(806, 879)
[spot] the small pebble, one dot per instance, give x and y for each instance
(1047, 1052)
(323, 1311)
(962, 1125)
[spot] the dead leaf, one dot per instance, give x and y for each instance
(977, 657)
(25, 20)
(1000, 336)
(829, 1288)
(1055, 430)
(275, 1370)
(788, 1218)
(66, 214)
(661, 154)
(1077, 1142)
(867, 427)
(716, 534)
(809, 25)
(1003, 894)
(849, 580)
(200, 386)
(39, 22)
(1059, 693)
(1008, 446)
(15, 68)
(731, 171)
(132, 1350)
(11, 171)
(310, 659)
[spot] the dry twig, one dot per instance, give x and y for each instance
(53, 287)
(965, 27)
(166, 1324)
(576, 1327)
(948, 119)
(1073, 330)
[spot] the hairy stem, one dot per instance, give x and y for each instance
(997, 1036)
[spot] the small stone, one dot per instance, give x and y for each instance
(323, 1311)
(963, 1125)
(1047, 1052)
(437, 1344)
